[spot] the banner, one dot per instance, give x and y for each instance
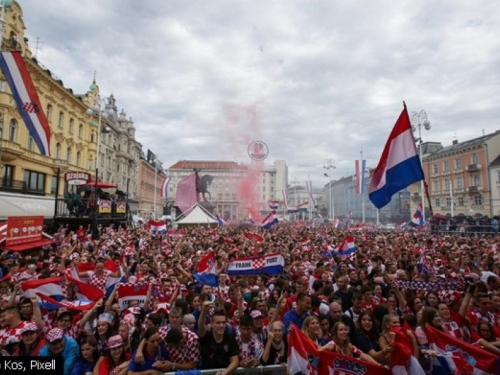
(24, 229)
(132, 292)
(432, 285)
(104, 206)
(303, 354)
(121, 208)
(269, 264)
(332, 363)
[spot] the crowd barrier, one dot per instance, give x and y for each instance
(265, 370)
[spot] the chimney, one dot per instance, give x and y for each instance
(455, 141)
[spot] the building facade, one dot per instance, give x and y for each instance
(459, 179)
(236, 188)
(151, 177)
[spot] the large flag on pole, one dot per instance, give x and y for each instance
(164, 187)
(310, 191)
(418, 219)
(360, 175)
(399, 165)
(186, 195)
(26, 98)
(207, 270)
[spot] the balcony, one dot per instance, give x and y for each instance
(61, 164)
(475, 189)
(459, 190)
(458, 170)
(446, 173)
(477, 207)
(473, 167)
(10, 150)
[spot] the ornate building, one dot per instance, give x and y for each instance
(149, 194)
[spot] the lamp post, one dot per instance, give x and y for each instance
(419, 119)
(155, 164)
(97, 109)
(328, 165)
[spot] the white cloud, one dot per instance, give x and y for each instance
(314, 80)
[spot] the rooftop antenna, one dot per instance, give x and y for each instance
(455, 136)
(37, 46)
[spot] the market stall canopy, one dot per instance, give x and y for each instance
(25, 205)
(196, 215)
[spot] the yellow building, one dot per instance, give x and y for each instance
(23, 169)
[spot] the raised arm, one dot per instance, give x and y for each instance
(202, 328)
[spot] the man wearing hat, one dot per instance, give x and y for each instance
(58, 344)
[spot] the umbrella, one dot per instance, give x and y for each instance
(439, 217)
(100, 185)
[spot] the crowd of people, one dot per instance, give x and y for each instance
(343, 304)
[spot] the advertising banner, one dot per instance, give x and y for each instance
(24, 229)
(104, 206)
(121, 208)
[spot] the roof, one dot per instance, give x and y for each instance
(199, 164)
(475, 142)
(196, 215)
(496, 162)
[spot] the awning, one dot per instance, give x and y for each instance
(27, 246)
(25, 205)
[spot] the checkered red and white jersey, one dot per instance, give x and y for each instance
(456, 327)
(266, 293)
(475, 317)
(222, 293)
(99, 282)
(189, 351)
(25, 276)
(11, 335)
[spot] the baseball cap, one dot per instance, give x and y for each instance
(54, 334)
(255, 314)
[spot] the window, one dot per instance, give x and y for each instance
(68, 155)
(8, 172)
(458, 163)
(446, 166)
(90, 164)
(49, 113)
(478, 200)
(435, 186)
(498, 176)
(447, 184)
(61, 119)
(92, 135)
(71, 125)
(474, 159)
(80, 131)
(34, 181)
(58, 151)
(448, 202)
(460, 183)
(78, 158)
(461, 201)
(3, 85)
(53, 185)
(434, 168)
(476, 180)
(438, 202)
(12, 130)
(31, 142)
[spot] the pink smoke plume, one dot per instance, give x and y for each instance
(243, 128)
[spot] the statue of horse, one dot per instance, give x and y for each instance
(202, 184)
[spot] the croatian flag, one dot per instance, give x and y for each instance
(26, 97)
(272, 264)
(285, 198)
(297, 208)
(270, 220)
(347, 250)
(310, 191)
(303, 354)
(220, 220)
(418, 219)
(335, 363)
(157, 226)
(207, 270)
(53, 286)
(399, 165)
(164, 187)
(85, 295)
(132, 292)
(274, 205)
(336, 223)
(360, 176)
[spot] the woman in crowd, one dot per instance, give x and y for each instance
(340, 344)
(276, 347)
(115, 360)
(486, 338)
(154, 354)
(31, 341)
(104, 331)
(312, 329)
(367, 338)
(88, 356)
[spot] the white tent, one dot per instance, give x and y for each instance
(196, 215)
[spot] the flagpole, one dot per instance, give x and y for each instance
(362, 178)
(154, 196)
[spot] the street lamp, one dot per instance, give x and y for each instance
(156, 162)
(328, 165)
(419, 119)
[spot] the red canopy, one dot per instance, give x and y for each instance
(100, 185)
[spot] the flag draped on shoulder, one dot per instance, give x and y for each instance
(270, 220)
(459, 357)
(399, 165)
(303, 354)
(207, 270)
(338, 364)
(27, 100)
(272, 264)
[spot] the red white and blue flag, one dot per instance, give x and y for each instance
(164, 187)
(459, 357)
(303, 354)
(207, 270)
(272, 264)
(399, 165)
(297, 208)
(418, 218)
(132, 292)
(157, 226)
(333, 363)
(270, 220)
(220, 220)
(52, 286)
(347, 250)
(26, 98)
(274, 205)
(360, 176)
(309, 187)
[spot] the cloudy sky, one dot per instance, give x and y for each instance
(315, 80)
